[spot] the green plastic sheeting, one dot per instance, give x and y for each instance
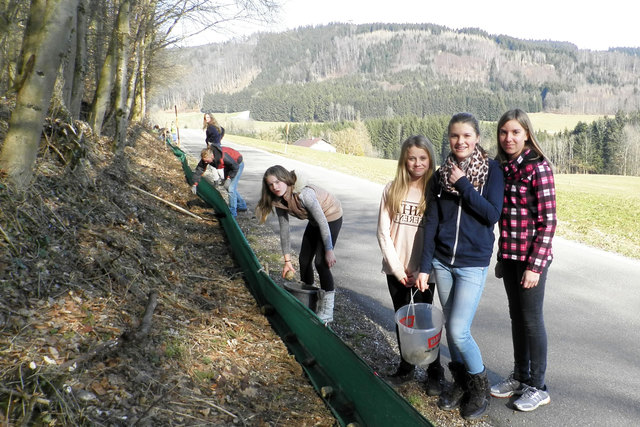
(352, 390)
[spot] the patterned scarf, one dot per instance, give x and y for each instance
(475, 167)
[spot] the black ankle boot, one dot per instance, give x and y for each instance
(452, 396)
(402, 375)
(435, 379)
(478, 401)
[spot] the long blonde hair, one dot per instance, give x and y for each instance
(400, 184)
(267, 198)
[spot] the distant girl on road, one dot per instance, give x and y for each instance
(464, 203)
(400, 236)
(214, 134)
(527, 226)
(291, 194)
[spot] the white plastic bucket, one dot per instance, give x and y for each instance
(419, 328)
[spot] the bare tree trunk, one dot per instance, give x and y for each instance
(99, 11)
(134, 77)
(139, 107)
(103, 91)
(145, 39)
(137, 50)
(133, 80)
(80, 66)
(120, 102)
(67, 73)
(48, 38)
(31, 40)
(10, 36)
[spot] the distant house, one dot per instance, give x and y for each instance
(316, 144)
(243, 115)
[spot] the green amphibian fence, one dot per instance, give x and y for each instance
(351, 389)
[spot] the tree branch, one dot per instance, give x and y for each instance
(145, 326)
(173, 205)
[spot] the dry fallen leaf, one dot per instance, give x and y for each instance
(98, 389)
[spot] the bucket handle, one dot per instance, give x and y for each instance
(412, 305)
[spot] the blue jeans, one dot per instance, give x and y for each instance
(235, 200)
(460, 289)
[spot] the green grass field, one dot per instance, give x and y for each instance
(558, 122)
(601, 211)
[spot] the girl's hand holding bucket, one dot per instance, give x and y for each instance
(422, 282)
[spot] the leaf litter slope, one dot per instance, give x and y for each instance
(83, 256)
(85, 252)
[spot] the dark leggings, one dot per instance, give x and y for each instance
(312, 249)
(527, 323)
(401, 296)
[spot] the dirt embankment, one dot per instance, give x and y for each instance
(83, 255)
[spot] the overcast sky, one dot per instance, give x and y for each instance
(613, 23)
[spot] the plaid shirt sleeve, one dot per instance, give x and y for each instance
(545, 220)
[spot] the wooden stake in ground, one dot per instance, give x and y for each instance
(177, 125)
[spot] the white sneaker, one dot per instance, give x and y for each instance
(507, 387)
(532, 398)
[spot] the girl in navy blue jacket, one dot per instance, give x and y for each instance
(214, 134)
(466, 201)
(213, 130)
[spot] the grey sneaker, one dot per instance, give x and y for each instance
(532, 398)
(507, 387)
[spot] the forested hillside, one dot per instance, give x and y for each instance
(365, 88)
(343, 72)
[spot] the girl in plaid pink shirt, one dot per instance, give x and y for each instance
(527, 226)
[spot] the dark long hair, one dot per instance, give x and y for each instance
(467, 118)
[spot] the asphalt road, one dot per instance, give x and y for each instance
(592, 305)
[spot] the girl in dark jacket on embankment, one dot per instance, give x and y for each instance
(466, 200)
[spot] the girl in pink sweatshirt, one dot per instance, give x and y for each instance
(400, 235)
